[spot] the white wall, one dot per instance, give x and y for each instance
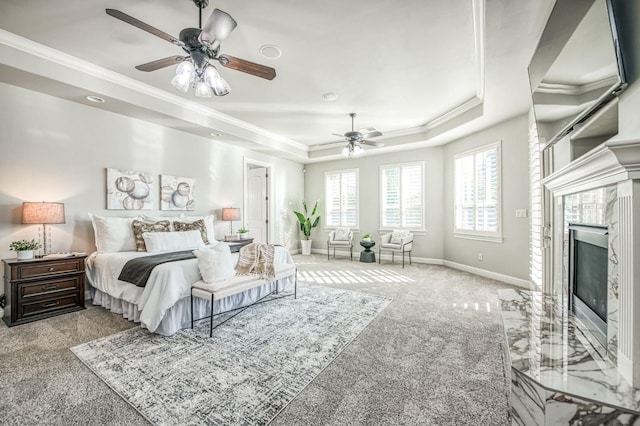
(56, 150)
(428, 244)
(511, 257)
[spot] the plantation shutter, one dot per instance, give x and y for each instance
(402, 189)
(477, 191)
(341, 198)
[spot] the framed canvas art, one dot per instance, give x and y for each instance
(177, 193)
(129, 190)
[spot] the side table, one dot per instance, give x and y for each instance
(41, 288)
(236, 245)
(367, 255)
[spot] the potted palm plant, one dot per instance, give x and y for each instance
(307, 223)
(24, 249)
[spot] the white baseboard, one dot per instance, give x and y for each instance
(489, 274)
(430, 261)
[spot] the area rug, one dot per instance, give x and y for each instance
(251, 368)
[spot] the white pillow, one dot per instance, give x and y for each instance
(341, 234)
(215, 263)
(208, 223)
(157, 242)
(113, 234)
(397, 236)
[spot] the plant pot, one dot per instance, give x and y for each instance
(306, 247)
(243, 235)
(366, 239)
(24, 254)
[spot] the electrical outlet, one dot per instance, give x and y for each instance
(521, 213)
(480, 257)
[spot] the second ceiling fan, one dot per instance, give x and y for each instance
(202, 46)
(356, 138)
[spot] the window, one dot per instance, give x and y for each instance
(401, 195)
(477, 194)
(341, 198)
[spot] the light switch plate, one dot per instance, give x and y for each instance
(521, 213)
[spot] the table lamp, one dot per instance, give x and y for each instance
(230, 214)
(43, 214)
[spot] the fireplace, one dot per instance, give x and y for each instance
(588, 262)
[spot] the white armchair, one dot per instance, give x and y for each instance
(396, 242)
(340, 238)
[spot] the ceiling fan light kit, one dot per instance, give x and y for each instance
(202, 46)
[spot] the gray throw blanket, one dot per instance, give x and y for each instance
(136, 271)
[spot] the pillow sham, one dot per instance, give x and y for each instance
(140, 227)
(157, 242)
(215, 263)
(208, 223)
(113, 234)
(197, 225)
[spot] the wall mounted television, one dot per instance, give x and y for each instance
(577, 66)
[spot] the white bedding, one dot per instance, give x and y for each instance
(169, 286)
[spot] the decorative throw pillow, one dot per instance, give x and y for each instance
(113, 234)
(215, 263)
(197, 225)
(148, 218)
(397, 236)
(208, 223)
(140, 227)
(341, 234)
(157, 242)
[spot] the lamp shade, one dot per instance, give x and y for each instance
(230, 213)
(42, 213)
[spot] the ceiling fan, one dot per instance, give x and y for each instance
(356, 138)
(202, 46)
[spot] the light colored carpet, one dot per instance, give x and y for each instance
(252, 367)
(432, 357)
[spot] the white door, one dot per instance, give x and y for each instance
(257, 204)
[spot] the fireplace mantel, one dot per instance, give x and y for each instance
(607, 164)
(614, 167)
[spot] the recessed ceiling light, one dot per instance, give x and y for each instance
(215, 134)
(270, 51)
(96, 99)
(330, 97)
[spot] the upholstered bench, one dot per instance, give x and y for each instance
(237, 284)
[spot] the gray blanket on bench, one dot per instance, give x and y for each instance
(136, 271)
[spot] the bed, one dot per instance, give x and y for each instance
(162, 306)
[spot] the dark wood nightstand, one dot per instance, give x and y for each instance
(41, 288)
(236, 245)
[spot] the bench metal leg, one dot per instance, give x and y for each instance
(192, 308)
(295, 284)
(211, 319)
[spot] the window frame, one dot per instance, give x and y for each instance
(489, 236)
(382, 167)
(326, 207)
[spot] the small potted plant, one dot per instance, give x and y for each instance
(366, 237)
(24, 249)
(243, 233)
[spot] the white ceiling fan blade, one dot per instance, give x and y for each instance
(371, 132)
(372, 143)
(338, 135)
(217, 28)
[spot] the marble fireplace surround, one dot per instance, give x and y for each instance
(615, 168)
(560, 374)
